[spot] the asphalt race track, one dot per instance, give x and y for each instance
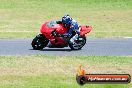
(94, 47)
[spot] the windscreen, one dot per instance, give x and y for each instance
(51, 24)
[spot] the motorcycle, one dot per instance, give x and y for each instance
(49, 37)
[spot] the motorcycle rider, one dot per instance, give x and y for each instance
(71, 25)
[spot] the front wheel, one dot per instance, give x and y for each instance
(39, 42)
(78, 43)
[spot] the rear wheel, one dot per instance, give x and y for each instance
(39, 42)
(78, 43)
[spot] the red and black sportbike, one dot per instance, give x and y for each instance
(49, 37)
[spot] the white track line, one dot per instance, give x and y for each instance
(127, 37)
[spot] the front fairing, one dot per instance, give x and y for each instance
(48, 27)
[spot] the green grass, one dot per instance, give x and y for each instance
(42, 71)
(109, 18)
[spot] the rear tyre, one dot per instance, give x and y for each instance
(39, 42)
(78, 43)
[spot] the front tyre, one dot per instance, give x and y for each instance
(78, 43)
(39, 42)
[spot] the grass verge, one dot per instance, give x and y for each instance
(109, 18)
(42, 71)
